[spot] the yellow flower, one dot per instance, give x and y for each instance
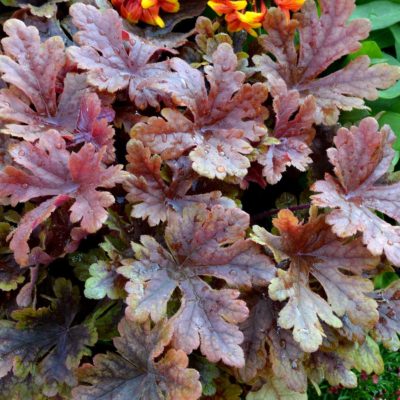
(145, 10)
(226, 6)
(248, 21)
(237, 19)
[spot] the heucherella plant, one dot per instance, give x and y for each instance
(140, 169)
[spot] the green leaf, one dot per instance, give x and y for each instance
(104, 281)
(395, 29)
(384, 279)
(393, 120)
(275, 389)
(368, 48)
(208, 374)
(381, 13)
(82, 262)
(367, 357)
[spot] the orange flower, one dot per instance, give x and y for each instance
(145, 10)
(227, 6)
(236, 19)
(247, 21)
(289, 5)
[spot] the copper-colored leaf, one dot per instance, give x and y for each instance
(152, 195)
(315, 251)
(134, 373)
(200, 242)
(330, 366)
(32, 69)
(261, 333)
(294, 134)
(224, 121)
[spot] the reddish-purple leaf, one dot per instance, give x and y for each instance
(48, 169)
(200, 242)
(323, 40)
(32, 66)
(150, 193)
(134, 373)
(260, 330)
(361, 158)
(293, 130)
(223, 122)
(315, 251)
(114, 58)
(32, 69)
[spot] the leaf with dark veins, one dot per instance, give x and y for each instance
(223, 122)
(113, 63)
(32, 66)
(330, 366)
(48, 169)
(44, 342)
(293, 131)
(29, 107)
(133, 371)
(313, 250)
(361, 157)
(261, 333)
(201, 242)
(150, 193)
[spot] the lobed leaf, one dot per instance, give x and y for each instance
(275, 389)
(361, 157)
(284, 354)
(323, 40)
(49, 169)
(330, 366)
(133, 371)
(201, 242)
(293, 134)
(313, 250)
(152, 196)
(33, 70)
(44, 342)
(224, 121)
(113, 62)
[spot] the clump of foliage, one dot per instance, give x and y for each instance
(139, 259)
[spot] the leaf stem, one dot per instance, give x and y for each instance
(270, 213)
